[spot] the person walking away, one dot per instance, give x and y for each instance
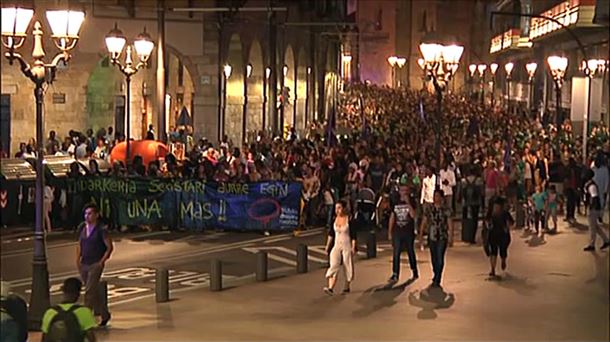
(499, 223)
(552, 202)
(401, 232)
(49, 197)
(447, 183)
(13, 316)
(492, 176)
(602, 180)
(68, 321)
(595, 210)
(471, 203)
(428, 187)
(343, 249)
(437, 222)
(539, 203)
(93, 250)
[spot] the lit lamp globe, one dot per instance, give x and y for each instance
(531, 69)
(558, 66)
(115, 42)
(144, 46)
(65, 26)
(508, 67)
(227, 70)
(493, 67)
(472, 68)
(15, 22)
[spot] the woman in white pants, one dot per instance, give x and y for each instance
(344, 237)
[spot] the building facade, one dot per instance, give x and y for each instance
(280, 61)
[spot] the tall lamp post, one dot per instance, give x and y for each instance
(558, 66)
(65, 26)
(508, 67)
(422, 64)
(441, 63)
(594, 65)
(245, 110)
(493, 67)
(473, 69)
(531, 72)
(393, 60)
(226, 71)
(307, 90)
(481, 68)
(143, 44)
(265, 82)
(400, 62)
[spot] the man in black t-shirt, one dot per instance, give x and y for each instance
(402, 233)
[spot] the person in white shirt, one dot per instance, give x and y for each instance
(427, 190)
(448, 181)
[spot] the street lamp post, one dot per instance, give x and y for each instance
(593, 66)
(441, 63)
(558, 66)
(265, 82)
(245, 110)
(508, 67)
(65, 26)
(473, 69)
(422, 64)
(493, 67)
(143, 44)
(531, 72)
(482, 68)
(400, 62)
(307, 90)
(226, 70)
(393, 60)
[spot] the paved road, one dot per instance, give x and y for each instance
(131, 271)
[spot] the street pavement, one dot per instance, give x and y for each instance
(130, 272)
(552, 290)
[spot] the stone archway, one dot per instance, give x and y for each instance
(288, 93)
(301, 92)
(254, 117)
(181, 91)
(234, 91)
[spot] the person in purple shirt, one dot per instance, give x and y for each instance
(93, 250)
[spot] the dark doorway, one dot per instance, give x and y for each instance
(5, 122)
(119, 114)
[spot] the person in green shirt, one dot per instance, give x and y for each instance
(539, 202)
(71, 292)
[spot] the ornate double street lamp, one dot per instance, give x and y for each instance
(65, 26)
(531, 72)
(265, 82)
(226, 70)
(473, 69)
(394, 62)
(143, 44)
(441, 60)
(558, 66)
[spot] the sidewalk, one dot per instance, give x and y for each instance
(553, 291)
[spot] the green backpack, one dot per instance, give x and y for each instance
(65, 326)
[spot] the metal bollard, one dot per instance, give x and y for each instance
(302, 258)
(261, 266)
(162, 285)
(103, 297)
(215, 275)
(371, 246)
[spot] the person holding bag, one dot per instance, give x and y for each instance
(496, 234)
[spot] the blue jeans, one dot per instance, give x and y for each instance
(399, 242)
(437, 256)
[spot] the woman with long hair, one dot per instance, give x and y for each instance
(343, 235)
(499, 223)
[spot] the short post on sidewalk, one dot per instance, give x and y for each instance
(261, 266)
(302, 258)
(371, 246)
(162, 285)
(216, 275)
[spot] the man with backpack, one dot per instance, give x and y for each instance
(68, 321)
